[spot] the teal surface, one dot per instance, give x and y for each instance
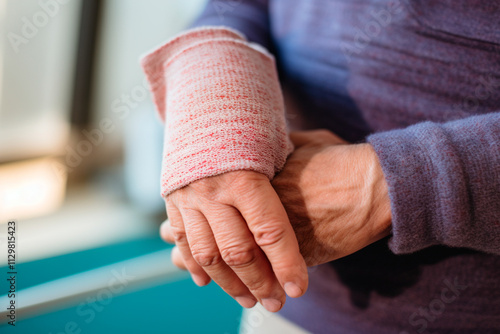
(178, 307)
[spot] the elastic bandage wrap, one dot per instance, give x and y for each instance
(222, 105)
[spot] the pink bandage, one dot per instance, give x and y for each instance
(222, 105)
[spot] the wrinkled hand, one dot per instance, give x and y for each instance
(233, 228)
(335, 195)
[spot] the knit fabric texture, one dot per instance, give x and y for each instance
(222, 105)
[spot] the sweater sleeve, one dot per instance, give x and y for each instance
(250, 17)
(222, 105)
(444, 183)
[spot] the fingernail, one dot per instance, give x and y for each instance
(246, 302)
(293, 290)
(198, 280)
(272, 305)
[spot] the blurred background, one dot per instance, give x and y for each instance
(80, 157)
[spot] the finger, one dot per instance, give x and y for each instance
(206, 254)
(301, 138)
(199, 276)
(177, 258)
(240, 252)
(266, 218)
(166, 232)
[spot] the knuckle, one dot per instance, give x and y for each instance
(259, 287)
(179, 237)
(205, 186)
(178, 233)
(174, 199)
(242, 181)
(268, 235)
(238, 256)
(206, 259)
(170, 199)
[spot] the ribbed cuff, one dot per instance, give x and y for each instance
(411, 179)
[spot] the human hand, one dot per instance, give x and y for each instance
(233, 228)
(335, 195)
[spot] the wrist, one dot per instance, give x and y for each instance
(380, 217)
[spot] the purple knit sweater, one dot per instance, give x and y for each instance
(420, 81)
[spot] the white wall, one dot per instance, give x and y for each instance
(131, 28)
(37, 49)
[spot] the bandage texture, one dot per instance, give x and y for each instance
(222, 105)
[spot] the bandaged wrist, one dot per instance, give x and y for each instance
(222, 105)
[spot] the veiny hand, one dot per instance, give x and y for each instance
(335, 195)
(233, 228)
